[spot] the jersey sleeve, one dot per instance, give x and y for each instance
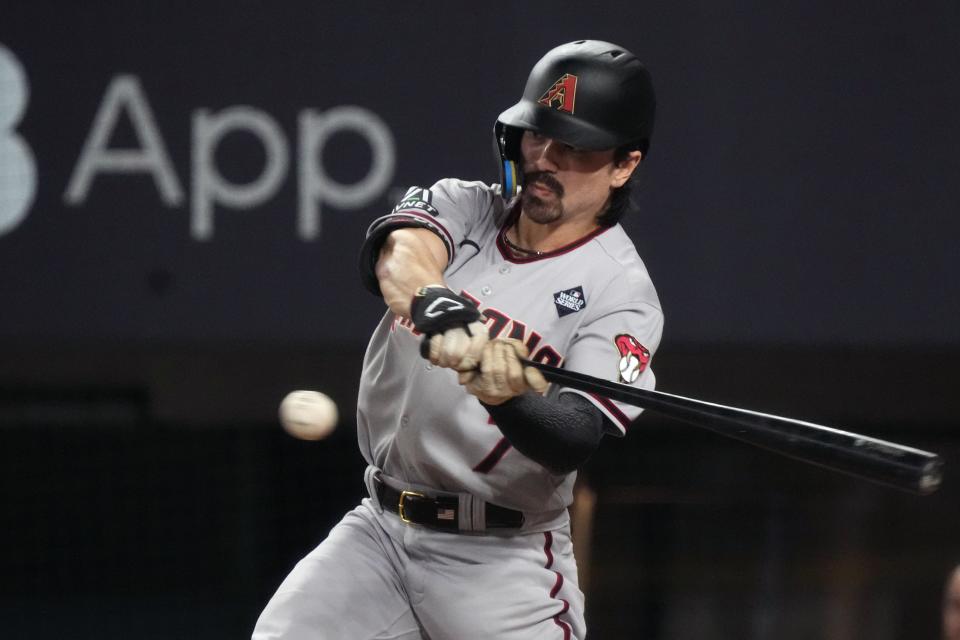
(617, 345)
(450, 208)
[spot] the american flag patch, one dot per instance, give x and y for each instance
(446, 514)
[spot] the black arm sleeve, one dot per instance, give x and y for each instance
(560, 434)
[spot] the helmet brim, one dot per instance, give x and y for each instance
(558, 125)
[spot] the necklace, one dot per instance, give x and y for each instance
(518, 249)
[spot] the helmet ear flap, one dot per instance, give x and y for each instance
(508, 175)
(506, 148)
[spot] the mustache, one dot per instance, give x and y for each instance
(543, 178)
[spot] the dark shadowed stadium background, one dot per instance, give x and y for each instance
(183, 190)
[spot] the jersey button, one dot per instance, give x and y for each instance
(505, 268)
(486, 290)
(429, 367)
(404, 421)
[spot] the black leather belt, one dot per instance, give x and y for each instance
(441, 512)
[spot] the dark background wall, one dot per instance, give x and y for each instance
(797, 212)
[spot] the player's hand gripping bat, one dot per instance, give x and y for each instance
(876, 460)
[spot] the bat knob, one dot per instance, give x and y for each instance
(930, 477)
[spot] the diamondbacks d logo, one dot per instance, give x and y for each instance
(562, 96)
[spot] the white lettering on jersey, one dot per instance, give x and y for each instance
(498, 324)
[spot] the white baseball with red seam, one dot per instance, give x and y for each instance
(308, 415)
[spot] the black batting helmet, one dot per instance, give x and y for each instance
(588, 94)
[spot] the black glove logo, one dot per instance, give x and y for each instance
(436, 309)
(441, 306)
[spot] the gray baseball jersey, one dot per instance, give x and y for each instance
(589, 306)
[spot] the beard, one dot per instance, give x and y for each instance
(536, 208)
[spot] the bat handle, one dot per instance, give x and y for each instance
(425, 354)
(536, 365)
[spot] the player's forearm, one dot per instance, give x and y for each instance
(559, 433)
(407, 262)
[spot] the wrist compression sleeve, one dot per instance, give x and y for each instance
(558, 433)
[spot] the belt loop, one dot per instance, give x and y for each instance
(472, 515)
(465, 513)
(370, 480)
(479, 514)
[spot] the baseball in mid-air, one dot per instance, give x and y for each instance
(308, 415)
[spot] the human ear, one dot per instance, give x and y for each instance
(624, 169)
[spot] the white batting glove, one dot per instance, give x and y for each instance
(502, 376)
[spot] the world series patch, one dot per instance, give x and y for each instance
(569, 301)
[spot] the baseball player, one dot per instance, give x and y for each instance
(472, 457)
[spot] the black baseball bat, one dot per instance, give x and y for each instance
(876, 460)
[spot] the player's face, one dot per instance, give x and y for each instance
(951, 608)
(562, 182)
